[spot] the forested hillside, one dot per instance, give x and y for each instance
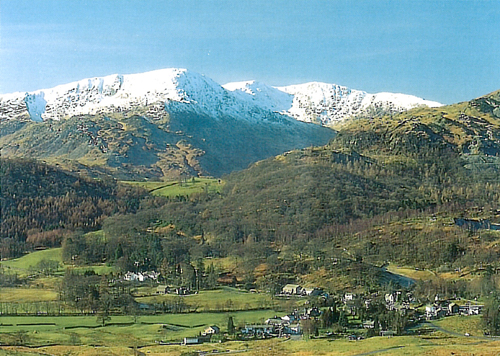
(42, 204)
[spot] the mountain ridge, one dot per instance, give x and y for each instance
(310, 102)
(173, 123)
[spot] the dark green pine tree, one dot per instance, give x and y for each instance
(230, 326)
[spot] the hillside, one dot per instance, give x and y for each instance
(384, 189)
(174, 123)
(132, 146)
(419, 159)
(41, 205)
(470, 129)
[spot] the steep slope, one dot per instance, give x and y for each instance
(131, 146)
(166, 123)
(470, 129)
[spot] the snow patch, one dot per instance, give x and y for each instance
(35, 104)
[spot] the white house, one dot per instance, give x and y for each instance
(292, 289)
(389, 298)
(430, 311)
(141, 276)
(289, 318)
(132, 276)
(213, 329)
(349, 297)
(258, 329)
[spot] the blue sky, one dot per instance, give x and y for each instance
(447, 51)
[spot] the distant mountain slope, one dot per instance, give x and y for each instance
(166, 123)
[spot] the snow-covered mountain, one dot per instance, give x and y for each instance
(325, 103)
(115, 93)
(180, 90)
(164, 124)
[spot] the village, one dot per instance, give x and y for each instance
(349, 316)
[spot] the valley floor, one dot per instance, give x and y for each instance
(439, 344)
(79, 336)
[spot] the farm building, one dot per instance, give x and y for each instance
(292, 289)
(214, 329)
(162, 290)
(257, 329)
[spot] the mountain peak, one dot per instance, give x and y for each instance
(117, 91)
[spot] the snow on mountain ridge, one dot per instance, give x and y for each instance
(325, 103)
(177, 89)
(180, 90)
(88, 96)
(400, 100)
(261, 94)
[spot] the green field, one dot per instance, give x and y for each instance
(83, 336)
(27, 295)
(224, 298)
(31, 259)
(462, 324)
(24, 265)
(120, 331)
(178, 188)
(39, 288)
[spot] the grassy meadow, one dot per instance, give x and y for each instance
(180, 188)
(24, 265)
(119, 331)
(27, 295)
(223, 298)
(461, 325)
